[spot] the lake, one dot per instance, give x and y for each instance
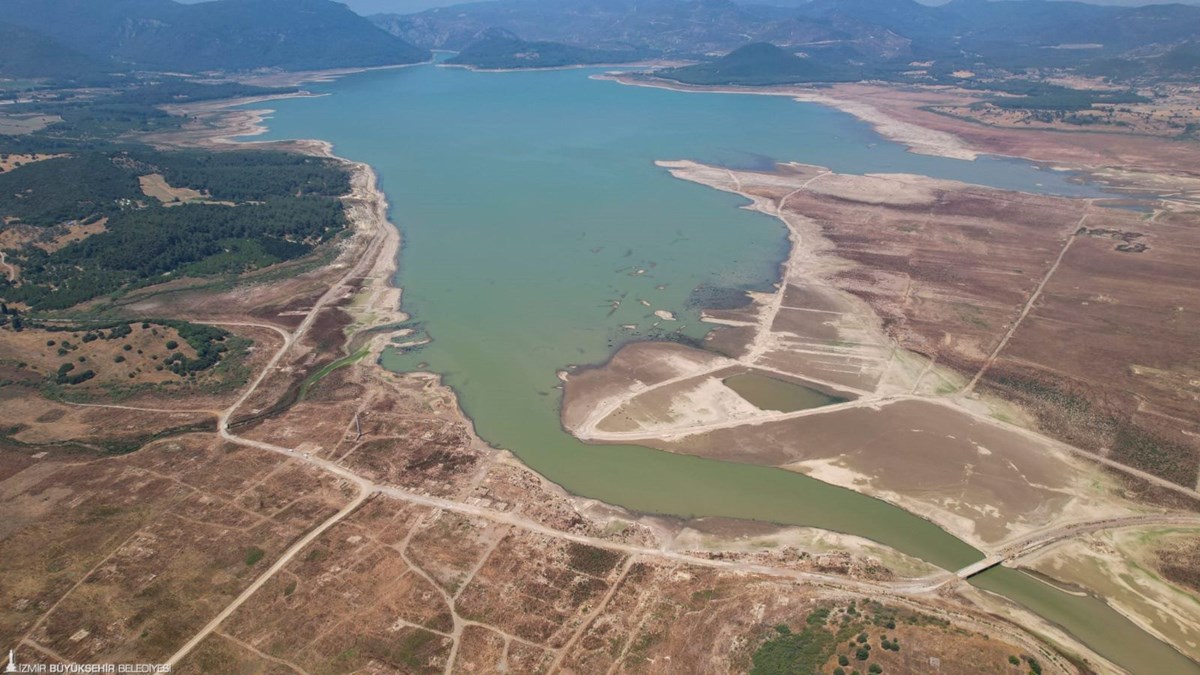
(535, 223)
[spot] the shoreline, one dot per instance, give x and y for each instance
(385, 243)
(1064, 637)
(917, 139)
(577, 66)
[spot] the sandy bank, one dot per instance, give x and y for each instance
(918, 139)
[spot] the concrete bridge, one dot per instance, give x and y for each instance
(979, 567)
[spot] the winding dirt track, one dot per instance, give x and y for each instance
(10, 271)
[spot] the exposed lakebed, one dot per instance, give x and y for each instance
(539, 234)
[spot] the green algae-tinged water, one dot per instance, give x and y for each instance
(529, 202)
(772, 393)
(1102, 629)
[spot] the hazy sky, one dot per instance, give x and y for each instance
(397, 6)
(366, 7)
(404, 6)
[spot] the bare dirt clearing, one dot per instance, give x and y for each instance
(10, 162)
(154, 185)
(127, 360)
(115, 559)
(981, 482)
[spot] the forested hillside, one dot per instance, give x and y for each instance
(503, 51)
(883, 37)
(25, 53)
(761, 64)
(258, 208)
(218, 35)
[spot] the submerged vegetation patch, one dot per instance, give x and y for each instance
(714, 297)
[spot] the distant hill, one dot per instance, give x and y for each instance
(690, 27)
(760, 64)
(27, 54)
(881, 36)
(218, 35)
(500, 50)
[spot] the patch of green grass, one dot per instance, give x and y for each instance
(254, 555)
(340, 363)
(971, 314)
(788, 652)
(592, 560)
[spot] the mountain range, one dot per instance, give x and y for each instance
(961, 34)
(84, 39)
(47, 38)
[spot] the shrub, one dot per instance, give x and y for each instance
(842, 660)
(1014, 660)
(875, 668)
(863, 653)
(254, 555)
(171, 344)
(787, 652)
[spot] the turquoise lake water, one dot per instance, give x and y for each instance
(529, 203)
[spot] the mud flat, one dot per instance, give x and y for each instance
(991, 286)
(949, 301)
(1121, 567)
(909, 115)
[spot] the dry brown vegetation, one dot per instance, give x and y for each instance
(49, 239)
(1173, 114)
(10, 162)
(1093, 148)
(127, 360)
(121, 558)
(156, 187)
(1107, 356)
(1179, 561)
(365, 597)
(1103, 346)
